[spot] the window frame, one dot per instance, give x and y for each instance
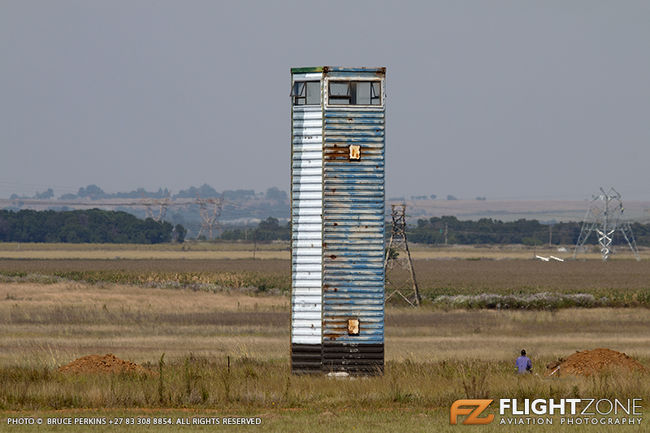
(295, 97)
(380, 96)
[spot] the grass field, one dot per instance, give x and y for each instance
(202, 312)
(192, 250)
(433, 358)
(55, 323)
(619, 283)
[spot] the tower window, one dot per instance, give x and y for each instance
(306, 93)
(355, 93)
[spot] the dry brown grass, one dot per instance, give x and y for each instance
(276, 250)
(437, 276)
(36, 297)
(62, 321)
(433, 358)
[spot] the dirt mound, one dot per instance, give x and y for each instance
(108, 363)
(590, 362)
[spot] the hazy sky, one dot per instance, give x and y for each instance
(504, 99)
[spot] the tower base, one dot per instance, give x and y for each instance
(351, 358)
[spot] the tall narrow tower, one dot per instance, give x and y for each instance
(337, 215)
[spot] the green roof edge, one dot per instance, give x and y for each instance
(305, 70)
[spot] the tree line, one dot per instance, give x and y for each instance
(101, 226)
(268, 230)
(451, 230)
(80, 226)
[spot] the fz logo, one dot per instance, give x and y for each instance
(464, 407)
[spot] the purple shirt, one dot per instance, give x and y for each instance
(523, 364)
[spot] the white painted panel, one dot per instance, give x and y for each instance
(308, 123)
(308, 252)
(309, 203)
(308, 179)
(308, 76)
(307, 244)
(307, 172)
(308, 236)
(306, 268)
(308, 219)
(309, 115)
(307, 227)
(307, 275)
(301, 339)
(306, 139)
(308, 155)
(306, 211)
(312, 147)
(308, 195)
(308, 315)
(308, 291)
(307, 187)
(307, 283)
(313, 307)
(315, 324)
(308, 164)
(307, 222)
(307, 300)
(308, 131)
(307, 331)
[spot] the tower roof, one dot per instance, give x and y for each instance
(303, 70)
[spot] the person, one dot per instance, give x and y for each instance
(524, 364)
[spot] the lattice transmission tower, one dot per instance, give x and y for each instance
(162, 206)
(605, 217)
(209, 210)
(399, 256)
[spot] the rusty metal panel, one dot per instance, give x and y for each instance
(353, 223)
(307, 228)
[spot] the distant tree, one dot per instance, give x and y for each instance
(451, 197)
(275, 193)
(180, 232)
(433, 196)
(267, 230)
(92, 192)
(239, 194)
(481, 198)
(204, 191)
(45, 195)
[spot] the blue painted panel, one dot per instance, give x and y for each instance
(353, 223)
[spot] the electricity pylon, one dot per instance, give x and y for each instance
(605, 218)
(209, 215)
(398, 255)
(162, 208)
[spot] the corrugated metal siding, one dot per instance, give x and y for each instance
(353, 228)
(306, 216)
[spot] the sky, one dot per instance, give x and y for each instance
(502, 99)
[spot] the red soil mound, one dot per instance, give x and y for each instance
(590, 362)
(108, 363)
